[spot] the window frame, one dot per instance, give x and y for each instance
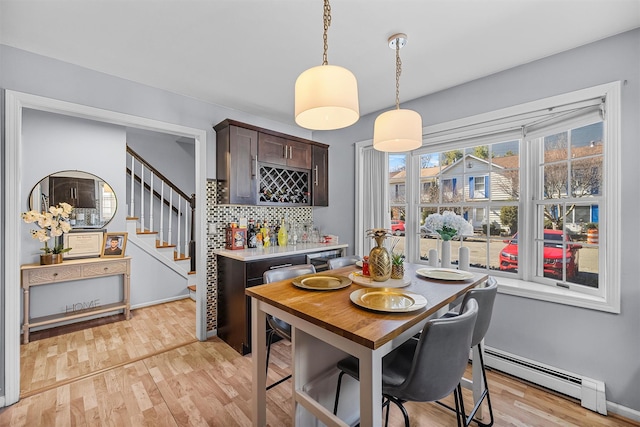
(607, 297)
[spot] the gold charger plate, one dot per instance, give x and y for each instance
(321, 282)
(388, 300)
(444, 274)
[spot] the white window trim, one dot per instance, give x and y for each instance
(608, 299)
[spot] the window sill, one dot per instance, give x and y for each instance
(541, 292)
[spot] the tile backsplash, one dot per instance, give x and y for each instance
(221, 215)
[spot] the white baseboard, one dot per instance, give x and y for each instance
(623, 411)
(160, 301)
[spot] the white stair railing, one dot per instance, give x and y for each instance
(145, 203)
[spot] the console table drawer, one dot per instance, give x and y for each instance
(53, 274)
(106, 268)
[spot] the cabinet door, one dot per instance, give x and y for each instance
(86, 193)
(62, 189)
(320, 177)
(78, 192)
(299, 155)
(243, 179)
(282, 151)
(272, 149)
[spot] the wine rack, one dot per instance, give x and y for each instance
(283, 186)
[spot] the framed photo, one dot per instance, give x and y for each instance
(114, 245)
(83, 244)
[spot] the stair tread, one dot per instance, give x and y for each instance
(138, 231)
(192, 288)
(192, 272)
(176, 258)
(166, 245)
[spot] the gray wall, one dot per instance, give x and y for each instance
(172, 156)
(598, 345)
(30, 73)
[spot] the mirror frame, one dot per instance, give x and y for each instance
(86, 217)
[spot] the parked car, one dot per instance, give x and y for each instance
(397, 227)
(552, 254)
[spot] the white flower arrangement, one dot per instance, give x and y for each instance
(448, 225)
(52, 224)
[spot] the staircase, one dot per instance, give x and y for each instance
(160, 218)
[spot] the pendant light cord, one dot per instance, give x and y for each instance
(327, 23)
(398, 72)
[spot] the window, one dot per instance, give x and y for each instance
(397, 196)
(539, 185)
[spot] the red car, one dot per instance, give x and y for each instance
(397, 227)
(552, 253)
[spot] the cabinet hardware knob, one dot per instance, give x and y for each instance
(106, 269)
(55, 274)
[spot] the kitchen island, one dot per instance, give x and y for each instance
(327, 326)
(243, 268)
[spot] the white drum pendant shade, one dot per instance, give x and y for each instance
(397, 130)
(326, 98)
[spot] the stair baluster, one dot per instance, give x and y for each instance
(184, 244)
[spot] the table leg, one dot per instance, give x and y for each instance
(25, 311)
(259, 356)
(126, 290)
(370, 389)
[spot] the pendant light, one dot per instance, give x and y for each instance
(397, 130)
(326, 96)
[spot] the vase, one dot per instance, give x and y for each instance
(379, 261)
(445, 254)
(397, 271)
(48, 259)
(463, 258)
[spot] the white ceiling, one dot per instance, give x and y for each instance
(247, 54)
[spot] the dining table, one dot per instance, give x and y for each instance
(329, 324)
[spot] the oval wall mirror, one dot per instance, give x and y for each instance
(94, 200)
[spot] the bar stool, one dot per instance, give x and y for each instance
(279, 327)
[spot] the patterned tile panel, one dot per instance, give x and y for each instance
(224, 214)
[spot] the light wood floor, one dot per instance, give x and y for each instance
(59, 355)
(209, 384)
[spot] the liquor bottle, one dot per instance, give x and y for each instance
(258, 236)
(283, 237)
(251, 236)
(266, 241)
(72, 218)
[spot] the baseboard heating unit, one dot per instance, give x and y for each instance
(590, 392)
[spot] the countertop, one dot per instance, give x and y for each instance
(277, 251)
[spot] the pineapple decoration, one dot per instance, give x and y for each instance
(379, 258)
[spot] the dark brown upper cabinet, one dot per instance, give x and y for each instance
(257, 166)
(78, 192)
(236, 164)
(283, 151)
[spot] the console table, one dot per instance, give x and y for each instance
(80, 269)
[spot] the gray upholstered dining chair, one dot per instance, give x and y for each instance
(343, 261)
(277, 326)
(484, 295)
(425, 369)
